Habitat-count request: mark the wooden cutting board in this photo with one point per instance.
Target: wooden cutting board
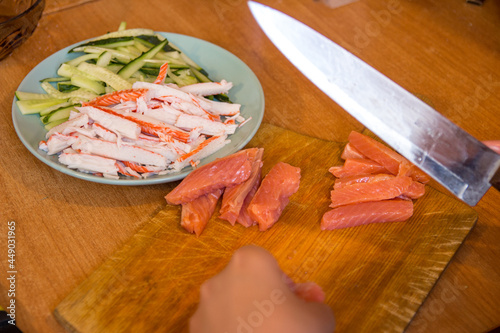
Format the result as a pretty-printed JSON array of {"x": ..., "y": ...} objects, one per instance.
[{"x": 375, "y": 277}]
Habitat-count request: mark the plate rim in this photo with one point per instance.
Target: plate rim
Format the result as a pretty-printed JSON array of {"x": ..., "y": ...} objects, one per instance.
[{"x": 156, "y": 179}]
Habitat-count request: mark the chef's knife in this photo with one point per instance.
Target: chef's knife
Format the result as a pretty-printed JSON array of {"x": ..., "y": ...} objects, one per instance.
[{"x": 458, "y": 161}]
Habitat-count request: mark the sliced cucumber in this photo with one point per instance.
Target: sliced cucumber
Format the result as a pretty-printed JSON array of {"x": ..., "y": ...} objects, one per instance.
[
  {"x": 22, "y": 95},
  {"x": 83, "y": 82},
  {"x": 104, "y": 59},
  {"x": 61, "y": 113},
  {"x": 66, "y": 86},
  {"x": 105, "y": 75},
  {"x": 119, "y": 55},
  {"x": 110, "y": 43},
  {"x": 200, "y": 76},
  {"x": 89, "y": 56},
  {"x": 126, "y": 33},
  {"x": 50, "y": 109},
  {"x": 138, "y": 62},
  {"x": 80, "y": 93},
  {"x": 68, "y": 71},
  {"x": 54, "y": 124},
  {"x": 31, "y": 106}
]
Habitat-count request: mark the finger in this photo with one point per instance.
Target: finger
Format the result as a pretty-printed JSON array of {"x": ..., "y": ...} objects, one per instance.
[{"x": 309, "y": 292}]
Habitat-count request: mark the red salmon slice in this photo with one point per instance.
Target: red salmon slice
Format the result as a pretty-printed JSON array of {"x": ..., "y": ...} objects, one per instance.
[
  {"x": 195, "y": 214},
  {"x": 273, "y": 194},
  {"x": 415, "y": 191},
  {"x": 244, "y": 218},
  {"x": 395, "y": 210},
  {"x": 408, "y": 169},
  {"x": 381, "y": 154},
  {"x": 357, "y": 166},
  {"x": 351, "y": 152},
  {"x": 233, "y": 198},
  {"x": 223, "y": 172},
  {"x": 374, "y": 191},
  {"x": 341, "y": 182}
]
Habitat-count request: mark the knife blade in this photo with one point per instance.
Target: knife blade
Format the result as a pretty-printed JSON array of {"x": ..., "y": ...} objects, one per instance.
[{"x": 448, "y": 154}]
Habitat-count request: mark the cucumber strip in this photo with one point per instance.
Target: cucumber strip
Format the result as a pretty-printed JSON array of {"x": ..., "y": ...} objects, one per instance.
[
  {"x": 66, "y": 86},
  {"x": 109, "y": 43},
  {"x": 22, "y": 95},
  {"x": 92, "y": 85},
  {"x": 188, "y": 60},
  {"x": 120, "y": 56},
  {"x": 68, "y": 71},
  {"x": 155, "y": 40},
  {"x": 75, "y": 62},
  {"x": 200, "y": 76},
  {"x": 103, "y": 74},
  {"x": 138, "y": 62},
  {"x": 104, "y": 59},
  {"x": 114, "y": 67},
  {"x": 80, "y": 93},
  {"x": 61, "y": 113},
  {"x": 131, "y": 50},
  {"x": 54, "y": 124},
  {"x": 50, "y": 109},
  {"x": 123, "y": 26},
  {"x": 185, "y": 77},
  {"x": 141, "y": 45},
  {"x": 125, "y": 33},
  {"x": 55, "y": 79},
  {"x": 157, "y": 63},
  {"x": 31, "y": 106}
]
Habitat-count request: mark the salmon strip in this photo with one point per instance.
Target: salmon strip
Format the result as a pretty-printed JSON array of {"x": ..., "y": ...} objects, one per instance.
[
  {"x": 162, "y": 74},
  {"x": 357, "y": 166},
  {"x": 196, "y": 214},
  {"x": 375, "y": 191},
  {"x": 415, "y": 191},
  {"x": 223, "y": 172},
  {"x": 410, "y": 170},
  {"x": 244, "y": 218},
  {"x": 341, "y": 182},
  {"x": 382, "y": 154},
  {"x": 351, "y": 152},
  {"x": 395, "y": 210},
  {"x": 233, "y": 198},
  {"x": 117, "y": 97},
  {"x": 273, "y": 194}
]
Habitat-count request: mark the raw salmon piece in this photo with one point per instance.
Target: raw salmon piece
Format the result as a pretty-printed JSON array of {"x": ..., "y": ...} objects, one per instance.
[
  {"x": 357, "y": 166},
  {"x": 351, "y": 152},
  {"x": 341, "y": 182},
  {"x": 223, "y": 172},
  {"x": 375, "y": 191},
  {"x": 381, "y": 154},
  {"x": 244, "y": 218},
  {"x": 415, "y": 191},
  {"x": 234, "y": 196},
  {"x": 196, "y": 213},
  {"x": 273, "y": 194},
  {"x": 395, "y": 210},
  {"x": 410, "y": 170}
]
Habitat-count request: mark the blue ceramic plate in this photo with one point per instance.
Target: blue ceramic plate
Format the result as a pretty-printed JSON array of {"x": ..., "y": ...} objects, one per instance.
[{"x": 219, "y": 63}]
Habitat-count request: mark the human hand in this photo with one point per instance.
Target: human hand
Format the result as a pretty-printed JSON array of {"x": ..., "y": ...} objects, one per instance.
[{"x": 253, "y": 295}]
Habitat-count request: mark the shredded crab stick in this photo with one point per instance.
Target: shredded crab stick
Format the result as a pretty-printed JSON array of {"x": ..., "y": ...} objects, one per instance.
[
  {"x": 196, "y": 214},
  {"x": 153, "y": 128},
  {"x": 162, "y": 73},
  {"x": 208, "y": 88},
  {"x": 89, "y": 163},
  {"x": 112, "y": 122},
  {"x": 119, "y": 152},
  {"x": 116, "y": 97}
]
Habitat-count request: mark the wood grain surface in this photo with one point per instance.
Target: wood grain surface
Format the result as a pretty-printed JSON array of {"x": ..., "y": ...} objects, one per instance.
[
  {"x": 375, "y": 277},
  {"x": 446, "y": 52}
]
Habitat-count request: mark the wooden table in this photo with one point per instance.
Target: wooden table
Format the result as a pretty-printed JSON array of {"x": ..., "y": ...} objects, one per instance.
[{"x": 445, "y": 52}]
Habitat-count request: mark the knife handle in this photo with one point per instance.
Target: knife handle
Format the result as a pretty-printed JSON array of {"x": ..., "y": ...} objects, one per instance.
[{"x": 495, "y": 181}]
